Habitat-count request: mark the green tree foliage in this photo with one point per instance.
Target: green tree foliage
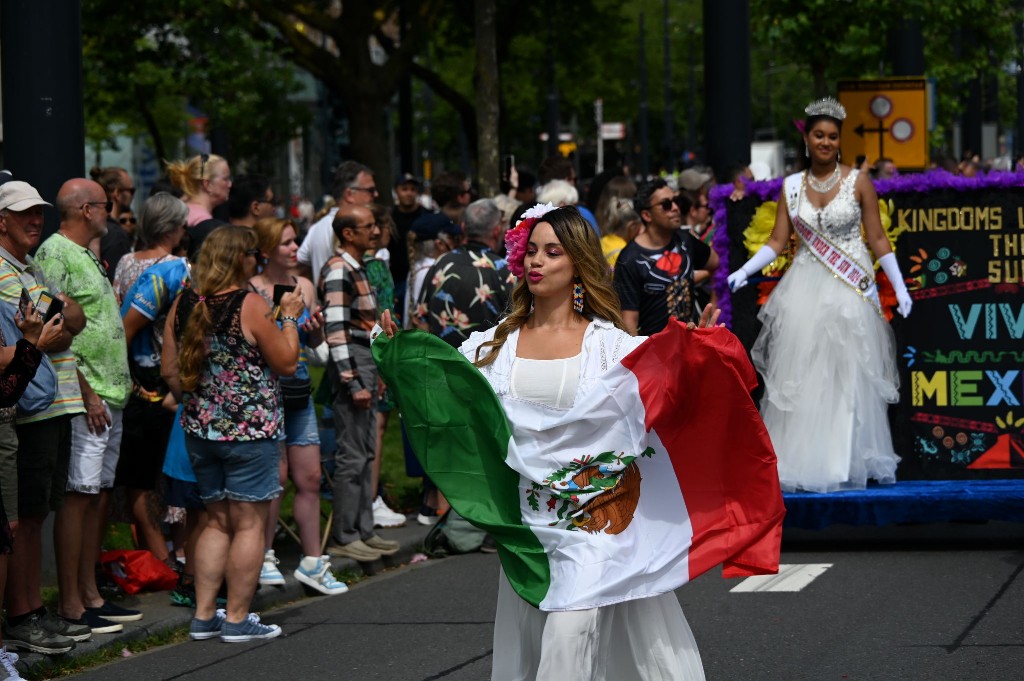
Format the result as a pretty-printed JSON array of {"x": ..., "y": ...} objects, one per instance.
[
  {"x": 145, "y": 63},
  {"x": 805, "y": 46}
]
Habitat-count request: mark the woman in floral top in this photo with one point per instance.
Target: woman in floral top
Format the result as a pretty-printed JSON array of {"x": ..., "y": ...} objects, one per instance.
[{"x": 222, "y": 349}]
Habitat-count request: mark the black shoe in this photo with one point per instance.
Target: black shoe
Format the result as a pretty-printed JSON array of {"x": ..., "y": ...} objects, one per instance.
[
  {"x": 488, "y": 545},
  {"x": 115, "y": 613}
]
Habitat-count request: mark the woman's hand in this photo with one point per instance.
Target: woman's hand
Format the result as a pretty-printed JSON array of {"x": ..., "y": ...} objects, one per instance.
[
  {"x": 292, "y": 304},
  {"x": 315, "y": 321},
  {"x": 708, "y": 318},
  {"x": 388, "y": 324}
]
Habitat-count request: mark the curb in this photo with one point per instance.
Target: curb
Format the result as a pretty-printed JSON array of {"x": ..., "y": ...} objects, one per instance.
[{"x": 162, "y": 618}]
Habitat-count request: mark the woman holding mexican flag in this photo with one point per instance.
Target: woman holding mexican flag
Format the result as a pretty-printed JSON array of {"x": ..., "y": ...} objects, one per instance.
[{"x": 609, "y": 469}]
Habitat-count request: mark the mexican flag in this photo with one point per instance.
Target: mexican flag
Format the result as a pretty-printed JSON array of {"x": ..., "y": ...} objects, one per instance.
[{"x": 660, "y": 471}]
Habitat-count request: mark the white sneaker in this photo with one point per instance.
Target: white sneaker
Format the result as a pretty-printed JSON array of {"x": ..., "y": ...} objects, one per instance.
[
  {"x": 427, "y": 520},
  {"x": 384, "y": 516},
  {"x": 321, "y": 578},
  {"x": 269, "y": 574},
  {"x": 7, "y": 667}
]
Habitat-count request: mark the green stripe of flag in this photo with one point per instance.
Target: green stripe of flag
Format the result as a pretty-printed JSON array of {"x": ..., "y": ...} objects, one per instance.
[{"x": 458, "y": 431}]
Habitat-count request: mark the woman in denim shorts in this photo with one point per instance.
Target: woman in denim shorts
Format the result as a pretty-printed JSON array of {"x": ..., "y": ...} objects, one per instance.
[
  {"x": 301, "y": 435},
  {"x": 221, "y": 357}
]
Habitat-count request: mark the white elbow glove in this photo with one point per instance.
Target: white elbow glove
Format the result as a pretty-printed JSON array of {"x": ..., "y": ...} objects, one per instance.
[
  {"x": 892, "y": 271},
  {"x": 761, "y": 259}
]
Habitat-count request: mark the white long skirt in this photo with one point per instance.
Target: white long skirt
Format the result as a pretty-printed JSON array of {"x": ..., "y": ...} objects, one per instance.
[
  {"x": 828, "y": 360},
  {"x": 640, "y": 640}
]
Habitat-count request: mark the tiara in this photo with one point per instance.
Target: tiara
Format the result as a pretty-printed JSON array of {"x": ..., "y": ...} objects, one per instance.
[{"x": 826, "y": 107}]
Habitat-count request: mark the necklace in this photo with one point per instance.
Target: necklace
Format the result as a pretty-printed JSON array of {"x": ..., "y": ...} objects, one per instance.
[{"x": 824, "y": 186}]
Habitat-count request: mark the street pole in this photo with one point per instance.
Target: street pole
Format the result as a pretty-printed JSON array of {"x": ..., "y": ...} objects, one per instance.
[
  {"x": 670, "y": 159},
  {"x": 552, "y": 96},
  {"x": 727, "y": 60},
  {"x": 44, "y": 123},
  {"x": 691, "y": 93},
  {"x": 645, "y": 165},
  {"x": 599, "y": 120}
]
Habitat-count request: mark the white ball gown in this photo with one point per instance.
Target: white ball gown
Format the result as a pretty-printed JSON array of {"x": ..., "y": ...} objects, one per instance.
[{"x": 828, "y": 360}]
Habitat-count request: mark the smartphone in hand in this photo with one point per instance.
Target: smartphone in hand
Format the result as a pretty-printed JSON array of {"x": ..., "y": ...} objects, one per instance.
[
  {"x": 279, "y": 291},
  {"x": 506, "y": 170},
  {"x": 48, "y": 306},
  {"x": 23, "y": 303}
]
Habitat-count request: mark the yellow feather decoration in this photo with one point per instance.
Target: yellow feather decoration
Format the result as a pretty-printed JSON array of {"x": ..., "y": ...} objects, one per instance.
[{"x": 759, "y": 231}]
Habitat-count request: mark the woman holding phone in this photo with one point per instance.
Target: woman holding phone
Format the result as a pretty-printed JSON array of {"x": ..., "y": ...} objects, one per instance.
[
  {"x": 278, "y": 253},
  {"x": 222, "y": 355}
]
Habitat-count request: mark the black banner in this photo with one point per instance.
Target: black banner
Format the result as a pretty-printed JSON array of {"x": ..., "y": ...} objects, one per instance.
[{"x": 961, "y": 350}]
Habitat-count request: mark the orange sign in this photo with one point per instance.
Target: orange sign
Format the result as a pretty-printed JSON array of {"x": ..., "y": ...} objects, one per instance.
[{"x": 886, "y": 119}]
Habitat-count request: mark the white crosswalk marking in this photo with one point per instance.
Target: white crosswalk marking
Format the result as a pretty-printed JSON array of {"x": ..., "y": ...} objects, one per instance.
[{"x": 790, "y": 578}]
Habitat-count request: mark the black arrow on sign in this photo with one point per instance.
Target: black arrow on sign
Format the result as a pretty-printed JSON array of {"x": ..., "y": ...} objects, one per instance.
[{"x": 881, "y": 130}]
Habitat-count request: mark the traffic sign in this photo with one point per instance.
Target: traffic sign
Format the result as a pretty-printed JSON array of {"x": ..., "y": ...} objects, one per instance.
[
  {"x": 886, "y": 119},
  {"x": 613, "y": 131}
]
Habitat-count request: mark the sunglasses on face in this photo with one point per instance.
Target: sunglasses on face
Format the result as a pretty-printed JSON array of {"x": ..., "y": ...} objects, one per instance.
[
  {"x": 254, "y": 252},
  {"x": 664, "y": 204},
  {"x": 127, "y": 220}
]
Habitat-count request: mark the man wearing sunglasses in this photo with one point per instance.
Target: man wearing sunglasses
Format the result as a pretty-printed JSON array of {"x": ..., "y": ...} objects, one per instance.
[
  {"x": 654, "y": 273},
  {"x": 353, "y": 186},
  {"x": 251, "y": 198},
  {"x": 101, "y": 355}
]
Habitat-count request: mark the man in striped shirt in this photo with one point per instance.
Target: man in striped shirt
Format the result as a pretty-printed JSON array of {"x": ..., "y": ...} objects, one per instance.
[
  {"x": 350, "y": 312},
  {"x": 36, "y": 485}
]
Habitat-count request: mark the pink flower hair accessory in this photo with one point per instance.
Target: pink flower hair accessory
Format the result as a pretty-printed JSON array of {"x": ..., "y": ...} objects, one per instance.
[{"x": 517, "y": 237}]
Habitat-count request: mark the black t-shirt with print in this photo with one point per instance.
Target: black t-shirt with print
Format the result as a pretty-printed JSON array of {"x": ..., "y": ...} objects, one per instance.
[{"x": 658, "y": 283}]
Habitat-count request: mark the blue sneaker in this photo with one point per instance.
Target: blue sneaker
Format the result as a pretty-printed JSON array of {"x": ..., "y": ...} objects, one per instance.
[
  {"x": 270, "y": 575},
  {"x": 249, "y": 629},
  {"x": 320, "y": 578},
  {"x": 201, "y": 630}
]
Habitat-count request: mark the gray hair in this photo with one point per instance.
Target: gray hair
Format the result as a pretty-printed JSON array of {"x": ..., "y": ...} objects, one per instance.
[
  {"x": 162, "y": 213},
  {"x": 558, "y": 192},
  {"x": 480, "y": 217}
]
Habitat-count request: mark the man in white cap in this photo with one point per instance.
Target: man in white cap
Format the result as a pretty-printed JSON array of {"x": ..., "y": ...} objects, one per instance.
[{"x": 44, "y": 439}]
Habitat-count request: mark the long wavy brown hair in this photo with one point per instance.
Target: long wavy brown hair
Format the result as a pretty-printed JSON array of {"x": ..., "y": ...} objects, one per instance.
[
  {"x": 220, "y": 267},
  {"x": 584, "y": 250}
]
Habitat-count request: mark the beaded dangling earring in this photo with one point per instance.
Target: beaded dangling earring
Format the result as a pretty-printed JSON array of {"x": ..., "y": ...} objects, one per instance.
[
  {"x": 807, "y": 150},
  {"x": 577, "y": 296},
  {"x": 839, "y": 156}
]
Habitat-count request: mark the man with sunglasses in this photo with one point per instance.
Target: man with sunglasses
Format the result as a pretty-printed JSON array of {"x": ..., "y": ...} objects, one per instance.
[
  {"x": 353, "y": 186},
  {"x": 251, "y": 198},
  {"x": 101, "y": 355},
  {"x": 654, "y": 273}
]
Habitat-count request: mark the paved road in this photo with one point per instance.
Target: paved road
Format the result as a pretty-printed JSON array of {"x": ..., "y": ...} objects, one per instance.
[{"x": 918, "y": 606}]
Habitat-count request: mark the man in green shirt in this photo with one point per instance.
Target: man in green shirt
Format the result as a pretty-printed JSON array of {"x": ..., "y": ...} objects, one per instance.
[{"x": 102, "y": 357}]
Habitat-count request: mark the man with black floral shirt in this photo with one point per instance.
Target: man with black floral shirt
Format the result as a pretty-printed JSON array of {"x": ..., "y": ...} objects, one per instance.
[{"x": 469, "y": 288}]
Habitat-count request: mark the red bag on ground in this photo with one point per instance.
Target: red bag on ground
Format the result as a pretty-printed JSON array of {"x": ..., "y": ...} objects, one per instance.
[{"x": 134, "y": 571}]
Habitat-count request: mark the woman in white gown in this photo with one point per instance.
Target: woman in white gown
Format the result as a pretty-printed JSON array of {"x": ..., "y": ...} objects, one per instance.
[{"x": 825, "y": 351}]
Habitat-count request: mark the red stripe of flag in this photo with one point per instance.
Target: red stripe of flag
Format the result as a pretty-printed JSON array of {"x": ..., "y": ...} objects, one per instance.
[{"x": 695, "y": 386}]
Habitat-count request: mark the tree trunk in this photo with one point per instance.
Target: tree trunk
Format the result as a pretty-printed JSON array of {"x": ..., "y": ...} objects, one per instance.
[
  {"x": 369, "y": 140},
  {"x": 486, "y": 97}
]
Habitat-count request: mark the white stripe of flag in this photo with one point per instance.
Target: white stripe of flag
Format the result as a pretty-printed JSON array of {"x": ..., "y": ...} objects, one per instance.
[{"x": 790, "y": 578}]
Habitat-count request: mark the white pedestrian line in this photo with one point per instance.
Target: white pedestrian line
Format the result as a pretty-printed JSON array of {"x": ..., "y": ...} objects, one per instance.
[{"x": 790, "y": 578}]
